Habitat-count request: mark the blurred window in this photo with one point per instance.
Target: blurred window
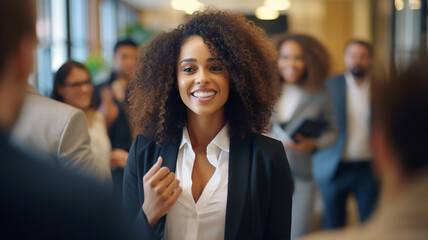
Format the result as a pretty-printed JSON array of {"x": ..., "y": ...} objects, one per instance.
[
  {"x": 62, "y": 29},
  {"x": 410, "y": 32},
  {"x": 79, "y": 30},
  {"x": 52, "y": 48},
  {"x": 116, "y": 18},
  {"x": 108, "y": 28}
]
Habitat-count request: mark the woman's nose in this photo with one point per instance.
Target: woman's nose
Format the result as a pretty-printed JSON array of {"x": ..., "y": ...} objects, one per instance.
[
  {"x": 202, "y": 77},
  {"x": 292, "y": 62},
  {"x": 86, "y": 87}
]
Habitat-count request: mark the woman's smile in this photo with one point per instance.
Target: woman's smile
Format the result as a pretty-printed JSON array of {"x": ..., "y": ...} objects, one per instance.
[{"x": 203, "y": 95}]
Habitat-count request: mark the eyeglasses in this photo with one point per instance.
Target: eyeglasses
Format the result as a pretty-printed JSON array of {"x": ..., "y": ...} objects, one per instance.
[{"x": 78, "y": 84}]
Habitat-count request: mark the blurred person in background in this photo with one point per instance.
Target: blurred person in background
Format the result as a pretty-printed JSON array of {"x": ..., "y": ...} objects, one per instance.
[
  {"x": 344, "y": 167},
  {"x": 303, "y": 65},
  {"x": 40, "y": 201},
  {"x": 399, "y": 159},
  {"x": 125, "y": 58},
  {"x": 111, "y": 101},
  {"x": 72, "y": 85}
]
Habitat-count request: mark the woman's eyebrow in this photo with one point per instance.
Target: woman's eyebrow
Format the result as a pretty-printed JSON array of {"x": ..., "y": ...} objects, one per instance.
[
  {"x": 212, "y": 59},
  {"x": 188, "y": 60},
  {"x": 194, "y": 60}
]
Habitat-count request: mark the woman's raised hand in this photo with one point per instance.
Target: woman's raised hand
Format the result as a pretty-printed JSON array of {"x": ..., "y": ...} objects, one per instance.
[{"x": 161, "y": 191}]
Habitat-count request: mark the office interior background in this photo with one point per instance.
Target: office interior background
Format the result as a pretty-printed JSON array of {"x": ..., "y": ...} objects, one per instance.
[{"x": 86, "y": 30}]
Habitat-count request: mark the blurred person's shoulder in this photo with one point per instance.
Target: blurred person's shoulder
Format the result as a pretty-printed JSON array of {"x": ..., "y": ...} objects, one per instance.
[
  {"x": 37, "y": 104},
  {"x": 42, "y": 122},
  {"x": 39, "y": 200},
  {"x": 335, "y": 78}
]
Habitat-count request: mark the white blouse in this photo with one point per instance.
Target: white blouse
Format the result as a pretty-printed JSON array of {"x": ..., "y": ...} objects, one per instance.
[
  {"x": 206, "y": 218},
  {"x": 357, "y": 146},
  {"x": 288, "y": 102},
  {"x": 100, "y": 144}
]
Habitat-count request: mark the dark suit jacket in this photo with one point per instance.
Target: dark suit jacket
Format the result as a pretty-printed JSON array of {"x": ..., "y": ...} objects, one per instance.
[
  {"x": 119, "y": 133},
  {"x": 326, "y": 162},
  {"x": 40, "y": 201},
  {"x": 259, "y": 187}
]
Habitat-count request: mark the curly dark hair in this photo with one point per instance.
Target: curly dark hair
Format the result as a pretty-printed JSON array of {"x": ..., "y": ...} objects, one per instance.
[
  {"x": 316, "y": 57},
  {"x": 156, "y": 109}
]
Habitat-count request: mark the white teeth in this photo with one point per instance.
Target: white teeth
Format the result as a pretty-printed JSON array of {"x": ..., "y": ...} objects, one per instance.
[
  {"x": 203, "y": 94},
  {"x": 289, "y": 70}
]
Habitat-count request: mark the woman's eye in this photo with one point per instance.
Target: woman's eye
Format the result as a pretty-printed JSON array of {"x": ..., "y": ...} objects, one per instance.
[
  {"x": 188, "y": 69},
  {"x": 216, "y": 68}
]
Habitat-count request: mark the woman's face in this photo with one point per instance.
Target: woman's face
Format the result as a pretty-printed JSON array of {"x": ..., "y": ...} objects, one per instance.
[
  {"x": 202, "y": 79},
  {"x": 77, "y": 90},
  {"x": 291, "y": 62}
]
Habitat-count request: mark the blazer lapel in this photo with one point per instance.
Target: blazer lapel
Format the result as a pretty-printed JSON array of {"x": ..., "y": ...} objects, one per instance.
[
  {"x": 341, "y": 103},
  {"x": 169, "y": 153},
  {"x": 298, "y": 115},
  {"x": 304, "y": 101},
  {"x": 239, "y": 172}
]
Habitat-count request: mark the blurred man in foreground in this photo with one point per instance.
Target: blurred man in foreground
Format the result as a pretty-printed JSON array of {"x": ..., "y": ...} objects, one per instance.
[
  {"x": 39, "y": 201},
  {"x": 399, "y": 143}
]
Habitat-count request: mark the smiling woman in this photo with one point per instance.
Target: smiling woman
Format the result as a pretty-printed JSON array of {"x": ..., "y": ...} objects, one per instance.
[
  {"x": 73, "y": 86},
  {"x": 303, "y": 66},
  {"x": 201, "y": 97}
]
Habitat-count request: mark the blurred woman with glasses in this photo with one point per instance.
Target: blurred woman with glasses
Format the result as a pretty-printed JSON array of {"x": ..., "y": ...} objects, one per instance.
[{"x": 73, "y": 86}]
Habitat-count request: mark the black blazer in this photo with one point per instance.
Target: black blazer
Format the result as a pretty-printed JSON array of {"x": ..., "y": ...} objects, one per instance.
[{"x": 259, "y": 187}]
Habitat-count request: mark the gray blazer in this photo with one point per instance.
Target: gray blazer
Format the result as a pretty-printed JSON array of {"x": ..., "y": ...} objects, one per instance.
[
  {"x": 46, "y": 126},
  {"x": 312, "y": 106}
]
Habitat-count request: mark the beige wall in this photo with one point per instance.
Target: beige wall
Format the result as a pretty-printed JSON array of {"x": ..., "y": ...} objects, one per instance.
[
  {"x": 166, "y": 19},
  {"x": 333, "y": 22},
  {"x": 338, "y": 29}
]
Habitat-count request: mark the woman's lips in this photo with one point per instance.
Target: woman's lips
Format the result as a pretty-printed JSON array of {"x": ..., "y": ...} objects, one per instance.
[{"x": 203, "y": 95}]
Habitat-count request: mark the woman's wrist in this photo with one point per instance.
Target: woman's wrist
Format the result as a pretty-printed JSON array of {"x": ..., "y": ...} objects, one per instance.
[{"x": 152, "y": 220}]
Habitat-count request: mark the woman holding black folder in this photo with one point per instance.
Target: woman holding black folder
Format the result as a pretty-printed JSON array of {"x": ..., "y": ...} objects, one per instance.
[{"x": 304, "y": 119}]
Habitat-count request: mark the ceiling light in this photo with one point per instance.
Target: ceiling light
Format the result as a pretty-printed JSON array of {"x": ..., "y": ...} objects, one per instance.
[
  {"x": 266, "y": 13},
  {"x": 189, "y": 6},
  {"x": 415, "y": 4},
  {"x": 399, "y": 5},
  {"x": 279, "y": 5}
]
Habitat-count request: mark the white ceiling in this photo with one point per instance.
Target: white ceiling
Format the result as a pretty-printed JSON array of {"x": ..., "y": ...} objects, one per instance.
[{"x": 245, "y": 6}]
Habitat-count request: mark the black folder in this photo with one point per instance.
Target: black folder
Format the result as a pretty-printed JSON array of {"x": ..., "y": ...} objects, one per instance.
[{"x": 310, "y": 128}]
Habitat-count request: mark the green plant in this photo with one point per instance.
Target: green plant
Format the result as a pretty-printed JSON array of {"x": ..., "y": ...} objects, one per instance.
[{"x": 95, "y": 62}]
